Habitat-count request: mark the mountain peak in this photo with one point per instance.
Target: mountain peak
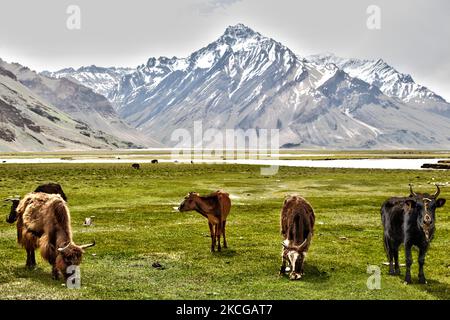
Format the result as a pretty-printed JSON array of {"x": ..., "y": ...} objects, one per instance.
[{"x": 238, "y": 32}]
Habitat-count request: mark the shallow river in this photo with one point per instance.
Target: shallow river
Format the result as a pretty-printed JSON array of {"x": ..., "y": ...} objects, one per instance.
[{"x": 362, "y": 163}]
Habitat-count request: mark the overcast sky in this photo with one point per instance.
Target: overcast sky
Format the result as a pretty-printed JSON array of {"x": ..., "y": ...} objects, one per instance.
[{"x": 414, "y": 35}]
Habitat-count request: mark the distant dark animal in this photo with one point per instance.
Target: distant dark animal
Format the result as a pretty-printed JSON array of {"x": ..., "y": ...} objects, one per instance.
[
  {"x": 215, "y": 207},
  {"x": 154, "y": 161},
  {"x": 136, "y": 166},
  {"x": 411, "y": 221},
  {"x": 50, "y": 188},
  {"x": 44, "y": 222},
  {"x": 297, "y": 227}
]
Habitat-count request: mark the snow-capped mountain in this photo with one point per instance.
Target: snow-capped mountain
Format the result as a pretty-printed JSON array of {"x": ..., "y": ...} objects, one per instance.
[
  {"x": 246, "y": 80},
  {"x": 29, "y": 123},
  {"x": 380, "y": 74},
  {"x": 80, "y": 103},
  {"x": 100, "y": 80}
]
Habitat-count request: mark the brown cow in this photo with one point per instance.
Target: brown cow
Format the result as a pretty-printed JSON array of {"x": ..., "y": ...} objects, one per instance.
[
  {"x": 215, "y": 207},
  {"x": 297, "y": 225},
  {"x": 44, "y": 222}
]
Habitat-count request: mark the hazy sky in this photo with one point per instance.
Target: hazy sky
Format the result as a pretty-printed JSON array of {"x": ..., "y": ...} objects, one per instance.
[{"x": 414, "y": 35}]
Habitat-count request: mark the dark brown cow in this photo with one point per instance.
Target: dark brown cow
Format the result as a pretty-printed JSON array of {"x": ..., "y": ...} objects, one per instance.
[
  {"x": 297, "y": 226},
  {"x": 215, "y": 207},
  {"x": 44, "y": 222},
  {"x": 409, "y": 221},
  {"x": 136, "y": 166}
]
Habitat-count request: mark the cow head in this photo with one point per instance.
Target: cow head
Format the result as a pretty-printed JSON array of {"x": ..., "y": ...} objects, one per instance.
[
  {"x": 426, "y": 205},
  {"x": 296, "y": 254},
  {"x": 12, "y": 213},
  {"x": 189, "y": 203},
  {"x": 70, "y": 255}
]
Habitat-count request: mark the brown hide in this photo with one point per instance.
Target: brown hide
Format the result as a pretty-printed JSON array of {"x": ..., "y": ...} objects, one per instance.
[
  {"x": 297, "y": 219},
  {"x": 44, "y": 222},
  {"x": 215, "y": 207}
]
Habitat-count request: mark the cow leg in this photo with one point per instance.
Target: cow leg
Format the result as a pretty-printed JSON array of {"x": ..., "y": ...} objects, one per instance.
[
  {"x": 31, "y": 260},
  {"x": 390, "y": 254},
  {"x": 213, "y": 238},
  {"x": 225, "y": 245},
  {"x": 218, "y": 229},
  {"x": 283, "y": 264},
  {"x": 422, "y": 252},
  {"x": 409, "y": 261},
  {"x": 397, "y": 266}
]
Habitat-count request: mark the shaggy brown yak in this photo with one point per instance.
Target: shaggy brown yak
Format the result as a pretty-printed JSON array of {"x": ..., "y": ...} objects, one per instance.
[
  {"x": 297, "y": 225},
  {"x": 44, "y": 222},
  {"x": 215, "y": 207}
]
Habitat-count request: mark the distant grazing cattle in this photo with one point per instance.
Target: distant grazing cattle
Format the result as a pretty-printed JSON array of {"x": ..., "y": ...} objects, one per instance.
[
  {"x": 136, "y": 166},
  {"x": 297, "y": 227},
  {"x": 154, "y": 161},
  {"x": 411, "y": 221},
  {"x": 44, "y": 222},
  {"x": 215, "y": 207},
  {"x": 51, "y": 188}
]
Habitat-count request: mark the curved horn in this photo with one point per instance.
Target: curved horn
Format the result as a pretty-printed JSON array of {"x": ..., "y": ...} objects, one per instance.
[
  {"x": 17, "y": 198},
  {"x": 64, "y": 249},
  {"x": 438, "y": 191},
  {"x": 305, "y": 243},
  {"x": 411, "y": 189},
  {"x": 84, "y": 246}
]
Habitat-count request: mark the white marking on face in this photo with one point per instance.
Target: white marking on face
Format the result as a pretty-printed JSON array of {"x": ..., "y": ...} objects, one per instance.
[{"x": 293, "y": 256}]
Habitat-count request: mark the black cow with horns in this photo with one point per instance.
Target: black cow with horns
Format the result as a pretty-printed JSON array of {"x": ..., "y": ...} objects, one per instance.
[{"x": 411, "y": 221}]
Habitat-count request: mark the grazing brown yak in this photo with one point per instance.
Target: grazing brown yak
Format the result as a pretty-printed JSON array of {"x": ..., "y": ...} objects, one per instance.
[
  {"x": 215, "y": 207},
  {"x": 44, "y": 222},
  {"x": 297, "y": 226}
]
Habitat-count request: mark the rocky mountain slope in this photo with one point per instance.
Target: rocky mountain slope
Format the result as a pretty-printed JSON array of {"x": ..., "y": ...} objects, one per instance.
[
  {"x": 80, "y": 103},
  {"x": 28, "y": 123}
]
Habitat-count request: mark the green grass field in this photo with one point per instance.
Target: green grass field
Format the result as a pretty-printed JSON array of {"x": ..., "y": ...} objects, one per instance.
[{"x": 135, "y": 226}]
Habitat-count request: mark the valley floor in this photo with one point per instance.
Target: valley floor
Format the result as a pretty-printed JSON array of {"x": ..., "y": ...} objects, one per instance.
[{"x": 135, "y": 226}]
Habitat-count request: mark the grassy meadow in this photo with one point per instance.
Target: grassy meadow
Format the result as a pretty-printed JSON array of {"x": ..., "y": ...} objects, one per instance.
[{"x": 135, "y": 226}]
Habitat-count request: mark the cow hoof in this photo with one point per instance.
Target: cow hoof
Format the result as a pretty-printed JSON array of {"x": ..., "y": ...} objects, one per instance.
[
  {"x": 295, "y": 276},
  {"x": 422, "y": 280},
  {"x": 394, "y": 273}
]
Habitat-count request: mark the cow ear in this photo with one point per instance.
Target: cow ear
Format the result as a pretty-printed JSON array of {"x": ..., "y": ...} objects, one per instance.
[{"x": 440, "y": 202}]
